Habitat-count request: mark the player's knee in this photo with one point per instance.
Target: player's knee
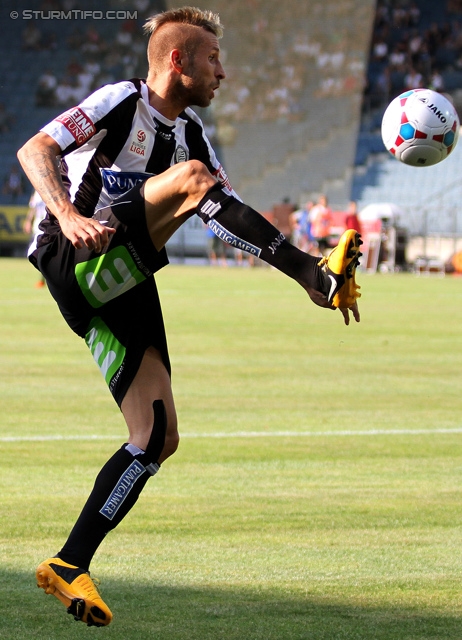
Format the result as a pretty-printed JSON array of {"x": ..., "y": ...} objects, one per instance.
[
  {"x": 166, "y": 417},
  {"x": 197, "y": 178},
  {"x": 172, "y": 441}
]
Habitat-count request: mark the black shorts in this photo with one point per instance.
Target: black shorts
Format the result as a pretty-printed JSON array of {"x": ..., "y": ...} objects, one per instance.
[{"x": 110, "y": 299}]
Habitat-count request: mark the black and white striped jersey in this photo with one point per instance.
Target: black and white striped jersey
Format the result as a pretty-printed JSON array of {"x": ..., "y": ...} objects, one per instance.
[{"x": 114, "y": 139}]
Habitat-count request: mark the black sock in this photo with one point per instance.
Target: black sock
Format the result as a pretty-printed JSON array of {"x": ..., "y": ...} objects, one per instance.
[
  {"x": 241, "y": 226},
  {"x": 117, "y": 488}
]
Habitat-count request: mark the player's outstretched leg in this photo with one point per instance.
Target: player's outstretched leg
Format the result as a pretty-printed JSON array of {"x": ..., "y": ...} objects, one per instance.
[
  {"x": 76, "y": 590},
  {"x": 340, "y": 267}
]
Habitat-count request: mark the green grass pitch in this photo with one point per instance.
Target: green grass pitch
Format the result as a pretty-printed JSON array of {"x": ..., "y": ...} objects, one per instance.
[{"x": 316, "y": 493}]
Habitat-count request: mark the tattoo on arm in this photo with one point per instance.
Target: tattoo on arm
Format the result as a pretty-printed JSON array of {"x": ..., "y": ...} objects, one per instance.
[{"x": 42, "y": 170}]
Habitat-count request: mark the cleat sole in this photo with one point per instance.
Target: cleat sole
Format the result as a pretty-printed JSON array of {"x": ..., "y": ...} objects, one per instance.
[{"x": 77, "y": 608}]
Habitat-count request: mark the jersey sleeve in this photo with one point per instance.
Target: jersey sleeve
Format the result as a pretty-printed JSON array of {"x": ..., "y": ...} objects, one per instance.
[{"x": 77, "y": 125}]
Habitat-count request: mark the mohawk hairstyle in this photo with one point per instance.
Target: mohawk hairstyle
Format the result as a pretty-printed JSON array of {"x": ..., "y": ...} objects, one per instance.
[{"x": 186, "y": 15}]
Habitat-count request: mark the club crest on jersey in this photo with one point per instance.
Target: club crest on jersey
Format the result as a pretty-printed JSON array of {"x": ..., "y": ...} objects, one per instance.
[
  {"x": 139, "y": 146},
  {"x": 116, "y": 183},
  {"x": 78, "y": 124}
]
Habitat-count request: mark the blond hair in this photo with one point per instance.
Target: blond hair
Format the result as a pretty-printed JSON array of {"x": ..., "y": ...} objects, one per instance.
[
  {"x": 186, "y": 15},
  {"x": 191, "y": 20}
]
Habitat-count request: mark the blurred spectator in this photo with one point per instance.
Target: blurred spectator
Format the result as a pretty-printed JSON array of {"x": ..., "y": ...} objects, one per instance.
[
  {"x": 321, "y": 220},
  {"x": 45, "y": 93},
  {"x": 436, "y": 81},
  {"x": 14, "y": 184},
  {"x": 124, "y": 37},
  {"x": 300, "y": 226},
  {"x": 413, "y": 79},
  {"x": 92, "y": 66},
  {"x": 398, "y": 56},
  {"x": 75, "y": 39},
  {"x": 85, "y": 80},
  {"x": 142, "y": 6},
  {"x": 35, "y": 214},
  {"x": 73, "y": 68},
  {"x": 6, "y": 119},
  {"x": 216, "y": 249},
  {"x": 65, "y": 93},
  {"x": 380, "y": 49},
  {"x": 414, "y": 14},
  {"x": 92, "y": 43},
  {"x": 417, "y": 56},
  {"x": 68, "y": 5},
  {"x": 50, "y": 42},
  {"x": 351, "y": 219},
  {"x": 382, "y": 87},
  {"x": 31, "y": 38}
]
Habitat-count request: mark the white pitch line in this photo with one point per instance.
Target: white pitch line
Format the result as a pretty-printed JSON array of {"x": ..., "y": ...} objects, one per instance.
[{"x": 245, "y": 434}]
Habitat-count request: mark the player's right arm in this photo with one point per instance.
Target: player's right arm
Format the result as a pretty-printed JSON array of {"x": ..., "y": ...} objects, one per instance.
[{"x": 39, "y": 159}]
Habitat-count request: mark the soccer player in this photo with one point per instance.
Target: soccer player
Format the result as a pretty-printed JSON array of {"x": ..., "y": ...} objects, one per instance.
[
  {"x": 119, "y": 174},
  {"x": 35, "y": 214}
]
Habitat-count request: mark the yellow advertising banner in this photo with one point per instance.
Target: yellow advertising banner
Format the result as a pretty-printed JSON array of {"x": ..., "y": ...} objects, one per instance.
[{"x": 11, "y": 223}]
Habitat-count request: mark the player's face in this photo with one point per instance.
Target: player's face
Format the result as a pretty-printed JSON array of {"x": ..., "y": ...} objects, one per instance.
[{"x": 204, "y": 72}]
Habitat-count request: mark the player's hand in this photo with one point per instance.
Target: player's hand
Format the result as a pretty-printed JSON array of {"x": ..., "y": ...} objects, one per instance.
[
  {"x": 321, "y": 300},
  {"x": 354, "y": 310},
  {"x": 86, "y": 232},
  {"x": 318, "y": 298}
]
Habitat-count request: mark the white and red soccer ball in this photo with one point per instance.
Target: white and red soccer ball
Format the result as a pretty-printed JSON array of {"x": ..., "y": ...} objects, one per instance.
[{"x": 420, "y": 127}]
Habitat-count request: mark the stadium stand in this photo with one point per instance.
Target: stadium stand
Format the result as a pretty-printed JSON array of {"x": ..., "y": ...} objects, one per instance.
[
  {"x": 286, "y": 118},
  {"x": 426, "y": 38},
  {"x": 293, "y": 118},
  {"x": 292, "y": 97},
  {"x": 65, "y": 49}
]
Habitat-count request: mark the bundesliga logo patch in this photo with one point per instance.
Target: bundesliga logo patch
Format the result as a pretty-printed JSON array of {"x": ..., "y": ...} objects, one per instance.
[
  {"x": 140, "y": 145},
  {"x": 78, "y": 124}
]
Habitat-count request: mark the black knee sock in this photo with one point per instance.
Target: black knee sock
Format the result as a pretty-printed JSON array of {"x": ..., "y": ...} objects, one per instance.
[
  {"x": 241, "y": 226},
  {"x": 116, "y": 490}
]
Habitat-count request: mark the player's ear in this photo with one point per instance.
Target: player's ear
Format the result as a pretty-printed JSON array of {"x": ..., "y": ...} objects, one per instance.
[{"x": 176, "y": 60}]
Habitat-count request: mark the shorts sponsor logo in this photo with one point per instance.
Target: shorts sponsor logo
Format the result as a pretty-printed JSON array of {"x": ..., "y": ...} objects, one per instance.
[
  {"x": 233, "y": 240},
  {"x": 116, "y": 183},
  {"x": 108, "y": 276},
  {"x": 78, "y": 124},
  {"x": 107, "y": 351},
  {"x": 122, "y": 489}
]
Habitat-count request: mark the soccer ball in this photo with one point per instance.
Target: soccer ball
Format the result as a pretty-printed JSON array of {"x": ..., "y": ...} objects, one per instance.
[{"x": 420, "y": 127}]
